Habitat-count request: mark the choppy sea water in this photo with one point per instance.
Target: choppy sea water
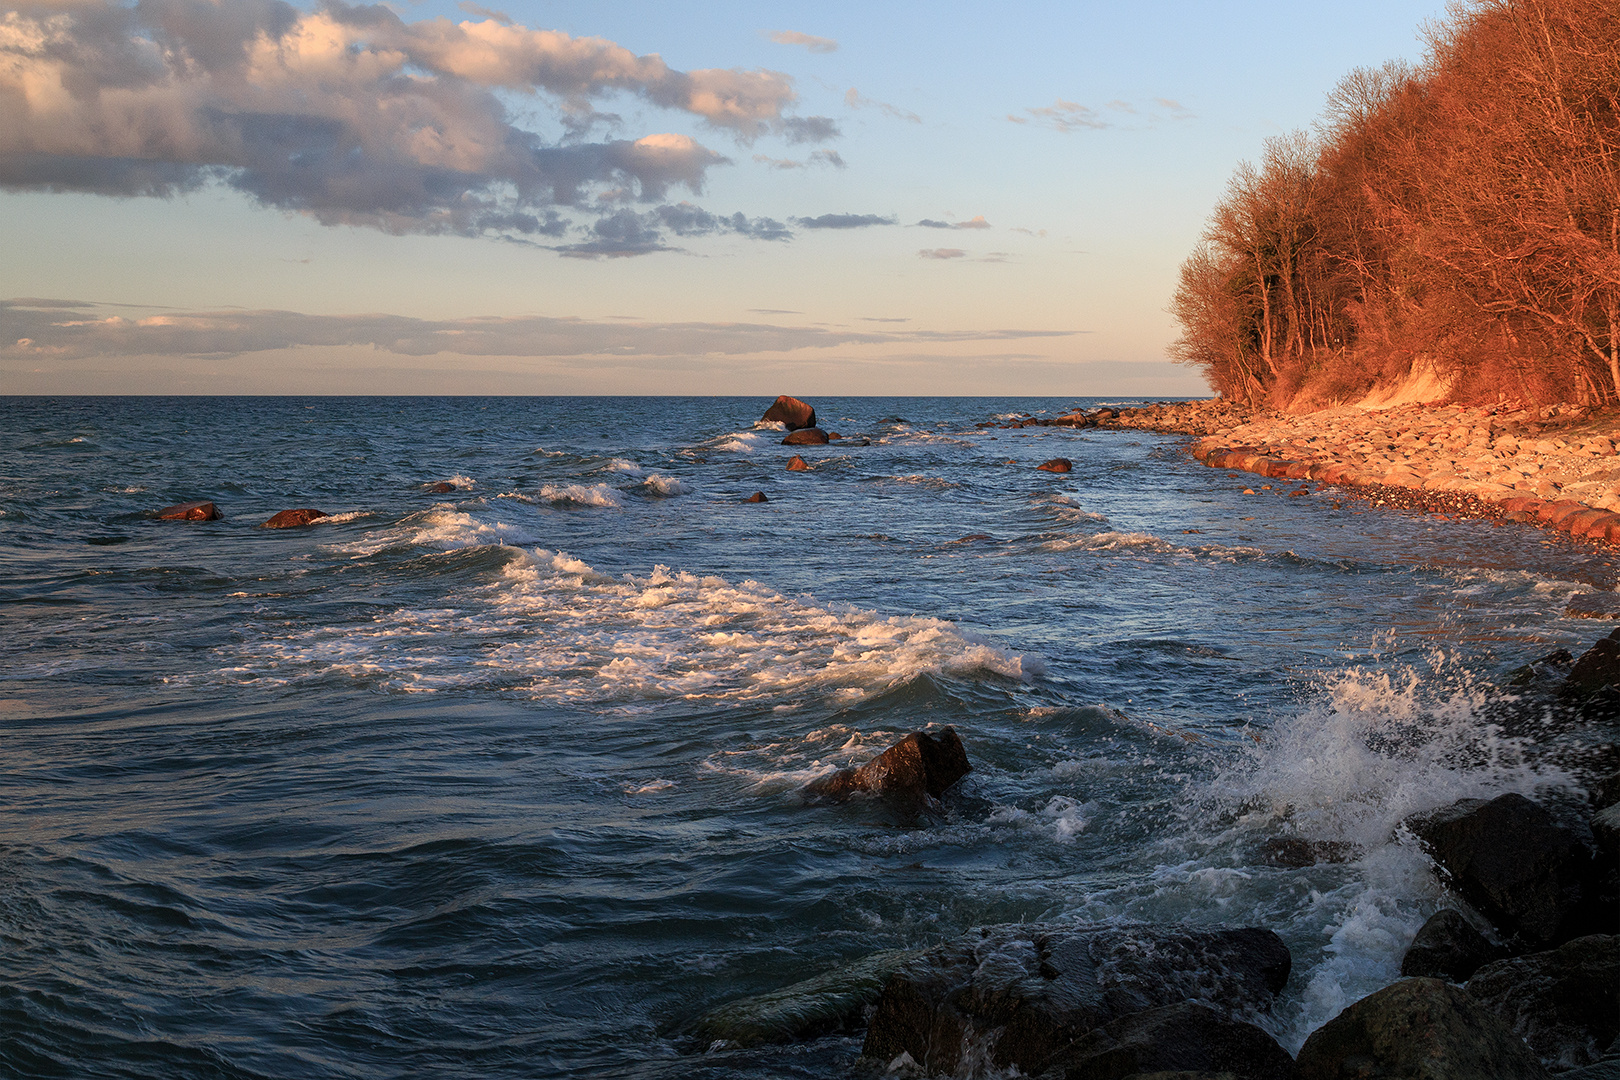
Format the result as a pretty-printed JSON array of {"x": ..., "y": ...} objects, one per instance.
[{"x": 506, "y": 782}]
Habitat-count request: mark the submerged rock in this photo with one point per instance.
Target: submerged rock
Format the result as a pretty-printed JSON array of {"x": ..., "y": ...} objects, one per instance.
[
  {"x": 834, "y": 1001},
  {"x": 1448, "y": 947},
  {"x": 1057, "y": 464},
  {"x": 909, "y": 775},
  {"x": 191, "y": 511},
  {"x": 1185, "y": 1038},
  {"x": 791, "y": 412},
  {"x": 1564, "y": 1002},
  {"x": 1517, "y": 866},
  {"x": 443, "y": 487},
  {"x": 757, "y": 497},
  {"x": 810, "y": 436},
  {"x": 292, "y": 519},
  {"x": 1018, "y": 994},
  {"x": 1422, "y": 1029},
  {"x": 1296, "y": 851}
]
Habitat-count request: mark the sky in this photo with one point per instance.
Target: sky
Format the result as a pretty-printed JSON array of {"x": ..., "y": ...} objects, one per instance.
[{"x": 262, "y": 197}]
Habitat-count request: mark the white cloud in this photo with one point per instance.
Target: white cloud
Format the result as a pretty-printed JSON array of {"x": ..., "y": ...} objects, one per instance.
[
  {"x": 809, "y": 41},
  {"x": 854, "y": 100}
]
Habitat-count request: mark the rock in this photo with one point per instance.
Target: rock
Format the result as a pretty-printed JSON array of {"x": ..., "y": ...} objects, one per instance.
[
  {"x": 1597, "y": 667},
  {"x": 1555, "y": 665},
  {"x": 759, "y": 496},
  {"x": 1606, "y": 831},
  {"x": 1605, "y": 791},
  {"x": 1511, "y": 861},
  {"x": 443, "y": 487},
  {"x": 191, "y": 511},
  {"x": 1296, "y": 851},
  {"x": 834, "y": 1001},
  {"x": 1017, "y": 994},
  {"x": 1448, "y": 947},
  {"x": 834, "y": 435},
  {"x": 810, "y": 436},
  {"x": 792, "y": 412},
  {"x": 1422, "y": 1029},
  {"x": 910, "y": 775},
  {"x": 1185, "y": 1036},
  {"x": 1607, "y": 1069},
  {"x": 291, "y": 519},
  {"x": 1564, "y": 1002},
  {"x": 797, "y": 464},
  {"x": 1057, "y": 464}
]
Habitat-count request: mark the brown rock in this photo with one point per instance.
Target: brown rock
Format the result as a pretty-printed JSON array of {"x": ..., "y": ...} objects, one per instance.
[
  {"x": 759, "y": 496},
  {"x": 443, "y": 487},
  {"x": 1057, "y": 465},
  {"x": 292, "y": 519},
  {"x": 911, "y": 774},
  {"x": 834, "y": 435},
  {"x": 1552, "y": 513},
  {"x": 1598, "y": 666},
  {"x": 1297, "y": 470},
  {"x": 810, "y": 436},
  {"x": 191, "y": 511},
  {"x": 797, "y": 464},
  {"x": 791, "y": 412},
  {"x": 1578, "y": 523},
  {"x": 1417, "y": 1029}
]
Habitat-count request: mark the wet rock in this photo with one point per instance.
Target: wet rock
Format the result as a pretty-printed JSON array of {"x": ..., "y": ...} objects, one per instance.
[
  {"x": 910, "y": 775},
  {"x": 1607, "y": 1069},
  {"x": 834, "y": 1001},
  {"x": 1555, "y": 665},
  {"x": 1605, "y": 791},
  {"x": 792, "y": 412},
  {"x": 834, "y": 435},
  {"x": 1422, "y": 1029},
  {"x": 1295, "y": 851},
  {"x": 1018, "y": 994},
  {"x": 1184, "y": 1037},
  {"x": 1448, "y": 947},
  {"x": 191, "y": 511},
  {"x": 1517, "y": 866},
  {"x": 1597, "y": 667},
  {"x": 797, "y": 464},
  {"x": 758, "y": 497},
  {"x": 1564, "y": 1002},
  {"x": 810, "y": 436},
  {"x": 1057, "y": 465},
  {"x": 443, "y": 487},
  {"x": 292, "y": 519}
]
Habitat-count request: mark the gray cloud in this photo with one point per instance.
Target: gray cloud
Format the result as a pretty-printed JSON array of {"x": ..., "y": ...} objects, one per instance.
[
  {"x": 1067, "y": 116},
  {"x": 626, "y": 232},
  {"x": 35, "y": 331},
  {"x": 972, "y": 223},
  {"x": 817, "y": 157},
  {"x": 350, "y": 114},
  {"x": 844, "y": 221},
  {"x": 809, "y": 41}
]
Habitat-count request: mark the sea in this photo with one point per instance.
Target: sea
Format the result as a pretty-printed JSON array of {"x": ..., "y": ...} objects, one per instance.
[{"x": 509, "y": 780}]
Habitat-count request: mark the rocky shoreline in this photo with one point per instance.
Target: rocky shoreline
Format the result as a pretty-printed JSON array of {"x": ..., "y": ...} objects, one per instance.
[{"x": 1558, "y": 466}]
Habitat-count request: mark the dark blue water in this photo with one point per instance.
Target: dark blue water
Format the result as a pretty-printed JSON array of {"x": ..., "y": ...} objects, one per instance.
[{"x": 506, "y": 782}]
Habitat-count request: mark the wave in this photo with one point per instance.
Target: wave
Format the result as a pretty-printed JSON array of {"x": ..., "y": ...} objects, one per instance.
[
  {"x": 665, "y": 485},
  {"x": 581, "y": 495},
  {"x": 443, "y": 528}
]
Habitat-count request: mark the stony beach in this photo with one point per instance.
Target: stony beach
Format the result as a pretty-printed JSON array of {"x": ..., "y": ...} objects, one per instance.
[{"x": 1556, "y": 466}]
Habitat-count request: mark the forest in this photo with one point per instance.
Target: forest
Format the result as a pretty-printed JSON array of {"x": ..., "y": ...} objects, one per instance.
[{"x": 1456, "y": 220}]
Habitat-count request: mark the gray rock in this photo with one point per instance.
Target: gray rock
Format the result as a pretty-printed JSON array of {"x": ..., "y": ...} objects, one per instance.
[
  {"x": 1417, "y": 1029},
  {"x": 834, "y": 1001},
  {"x": 1608, "y": 1069},
  {"x": 1517, "y": 866},
  {"x": 1183, "y": 1036},
  {"x": 1015, "y": 995},
  {"x": 1564, "y": 1002},
  {"x": 1448, "y": 947}
]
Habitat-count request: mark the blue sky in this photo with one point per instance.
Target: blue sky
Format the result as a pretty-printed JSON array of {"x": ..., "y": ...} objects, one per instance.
[{"x": 932, "y": 198}]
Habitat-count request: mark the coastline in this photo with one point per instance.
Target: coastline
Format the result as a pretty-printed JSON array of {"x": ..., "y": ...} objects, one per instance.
[{"x": 1557, "y": 467}]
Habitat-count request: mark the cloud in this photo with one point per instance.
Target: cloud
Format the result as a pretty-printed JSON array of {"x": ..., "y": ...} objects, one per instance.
[
  {"x": 974, "y": 223},
  {"x": 627, "y": 232},
  {"x": 67, "y": 330},
  {"x": 1176, "y": 110},
  {"x": 1064, "y": 116},
  {"x": 351, "y": 114},
  {"x": 485, "y": 13},
  {"x": 844, "y": 221},
  {"x": 854, "y": 100},
  {"x": 809, "y": 41},
  {"x": 941, "y": 253},
  {"x": 817, "y": 157}
]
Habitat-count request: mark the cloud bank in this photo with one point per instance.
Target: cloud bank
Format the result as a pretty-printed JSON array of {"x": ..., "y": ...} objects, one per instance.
[{"x": 353, "y": 115}]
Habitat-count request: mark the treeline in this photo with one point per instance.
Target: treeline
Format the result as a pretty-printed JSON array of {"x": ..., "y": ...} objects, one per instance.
[{"x": 1460, "y": 217}]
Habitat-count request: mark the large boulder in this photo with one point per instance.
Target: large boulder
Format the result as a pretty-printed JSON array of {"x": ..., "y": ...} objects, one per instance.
[
  {"x": 1185, "y": 1038},
  {"x": 909, "y": 775},
  {"x": 1417, "y": 1029},
  {"x": 1513, "y": 862},
  {"x": 1448, "y": 947},
  {"x": 791, "y": 412},
  {"x": 1564, "y": 1002},
  {"x": 834, "y": 1001},
  {"x": 1016, "y": 995},
  {"x": 191, "y": 511},
  {"x": 1597, "y": 667},
  {"x": 292, "y": 519},
  {"x": 810, "y": 436}
]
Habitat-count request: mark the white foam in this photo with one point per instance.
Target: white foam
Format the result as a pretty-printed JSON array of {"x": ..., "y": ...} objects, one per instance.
[
  {"x": 1113, "y": 541},
  {"x": 1062, "y": 818},
  {"x": 581, "y": 495},
  {"x": 442, "y": 528},
  {"x": 746, "y": 442},
  {"x": 665, "y": 485},
  {"x": 624, "y": 465}
]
